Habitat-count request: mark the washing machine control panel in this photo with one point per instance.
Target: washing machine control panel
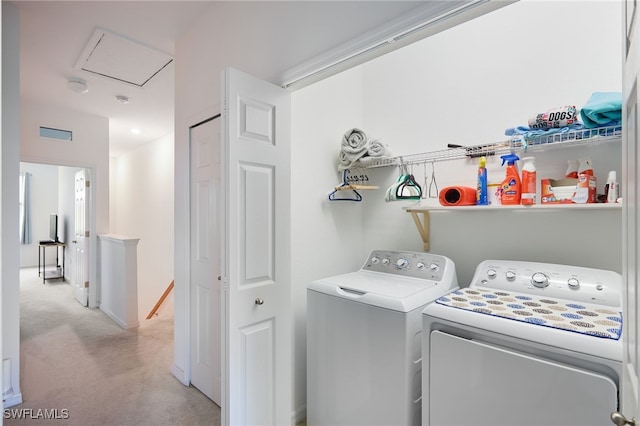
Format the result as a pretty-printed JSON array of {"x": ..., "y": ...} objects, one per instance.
[
  {"x": 582, "y": 284},
  {"x": 409, "y": 264}
]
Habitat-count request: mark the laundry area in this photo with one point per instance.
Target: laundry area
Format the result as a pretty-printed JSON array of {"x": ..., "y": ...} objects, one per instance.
[{"x": 387, "y": 170}]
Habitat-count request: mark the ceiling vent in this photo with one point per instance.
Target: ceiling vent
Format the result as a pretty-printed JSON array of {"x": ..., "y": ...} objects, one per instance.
[{"x": 118, "y": 58}]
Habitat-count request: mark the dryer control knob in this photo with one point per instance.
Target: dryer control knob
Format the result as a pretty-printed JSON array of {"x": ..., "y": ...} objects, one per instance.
[
  {"x": 402, "y": 263},
  {"x": 540, "y": 280},
  {"x": 573, "y": 283},
  {"x": 510, "y": 275}
]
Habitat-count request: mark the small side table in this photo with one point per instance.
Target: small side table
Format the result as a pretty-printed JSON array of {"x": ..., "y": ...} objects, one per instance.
[{"x": 58, "y": 273}]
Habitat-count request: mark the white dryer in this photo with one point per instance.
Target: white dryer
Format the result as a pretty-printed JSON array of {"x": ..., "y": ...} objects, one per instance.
[
  {"x": 525, "y": 344},
  {"x": 364, "y": 333}
]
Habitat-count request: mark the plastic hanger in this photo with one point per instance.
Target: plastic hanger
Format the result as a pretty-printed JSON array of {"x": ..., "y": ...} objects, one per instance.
[
  {"x": 345, "y": 186},
  {"x": 405, "y": 188},
  {"x": 409, "y": 189}
]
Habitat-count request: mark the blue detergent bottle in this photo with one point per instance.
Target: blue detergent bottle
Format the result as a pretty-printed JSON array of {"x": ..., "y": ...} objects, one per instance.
[{"x": 482, "y": 198}]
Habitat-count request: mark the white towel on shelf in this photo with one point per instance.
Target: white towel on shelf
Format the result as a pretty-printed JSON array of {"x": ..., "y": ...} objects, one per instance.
[
  {"x": 345, "y": 162},
  {"x": 378, "y": 149},
  {"x": 355, "y": 143},
  {"x": 358, "y": 149}
]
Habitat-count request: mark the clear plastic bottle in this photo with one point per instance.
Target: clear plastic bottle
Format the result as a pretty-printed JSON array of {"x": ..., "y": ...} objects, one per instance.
[
  {"x": 528, "y": 181},
  {"x": 612, "y": 187}
]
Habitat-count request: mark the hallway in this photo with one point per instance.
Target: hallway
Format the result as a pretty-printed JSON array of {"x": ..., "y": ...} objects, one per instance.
[{"x": 81, "y": 367}]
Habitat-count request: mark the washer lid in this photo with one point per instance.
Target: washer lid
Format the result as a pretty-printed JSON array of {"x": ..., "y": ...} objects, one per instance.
[{"x": 384, "y": 290}]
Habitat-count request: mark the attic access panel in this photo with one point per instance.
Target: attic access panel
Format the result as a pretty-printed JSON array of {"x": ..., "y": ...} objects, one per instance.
[{"x": 121, "y": 59}]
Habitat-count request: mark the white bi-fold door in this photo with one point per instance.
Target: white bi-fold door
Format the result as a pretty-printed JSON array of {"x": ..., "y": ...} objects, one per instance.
[
  {"x": 256, "y": 164},
  {"x": 205, "y": 288}
]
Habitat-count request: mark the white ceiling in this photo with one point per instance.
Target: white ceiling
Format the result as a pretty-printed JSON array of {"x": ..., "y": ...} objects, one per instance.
[{"x": 55, "y": 33}]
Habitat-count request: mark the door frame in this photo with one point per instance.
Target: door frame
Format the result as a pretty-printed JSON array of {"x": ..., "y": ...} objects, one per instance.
[
  {"x": 93, "y": 290},
  {"x": 181, "y": 368}
]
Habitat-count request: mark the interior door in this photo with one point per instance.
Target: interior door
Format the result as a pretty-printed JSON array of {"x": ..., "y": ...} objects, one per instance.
[
  {"x": 630, "y": 400},
  {"x": 257, "y": 319},
  {"x": 80, "y": 243},
  {"x": 205, "y": 285}
]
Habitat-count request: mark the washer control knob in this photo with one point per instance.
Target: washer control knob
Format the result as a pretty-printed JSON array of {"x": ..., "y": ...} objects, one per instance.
[
  {"x": 402, "y": 263},
  {"x": 599, "y": 287},
  {"x": 375, "y": 260},
  {"x": 510, "y": 275},
  {"x": 491, "y": 273},
  {"x": 420, "y": 266},
  {"x": 434, "y": 267},
  {"x": 385, "y": 261},
  {"x": 573, "y": 283},
  {"x": 540, "y": 280}
]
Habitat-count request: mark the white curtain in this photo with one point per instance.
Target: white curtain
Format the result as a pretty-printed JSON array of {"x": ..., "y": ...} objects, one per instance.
[{"x": 25, "y": 208}]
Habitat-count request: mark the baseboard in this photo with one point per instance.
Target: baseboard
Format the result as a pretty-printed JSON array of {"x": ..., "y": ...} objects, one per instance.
[
  {"x": 299, "y": 415},
  {"x": 126, "y": 326},
  {"x": 179, "y": 374},
  {"x": 12, "y": 400}
]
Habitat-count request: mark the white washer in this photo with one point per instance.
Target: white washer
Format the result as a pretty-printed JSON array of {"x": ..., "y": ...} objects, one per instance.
[
  {"x": 525, "y": 344},
  {"x": 364, "y": 332}
]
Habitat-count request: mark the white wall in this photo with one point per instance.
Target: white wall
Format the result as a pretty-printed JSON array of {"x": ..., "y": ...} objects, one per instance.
[
  {"x": 9, "y": 218},
  {"x": 141, "y": 203},
  {"x": 44, "y": 200},
  {"x": 328, "y": 236}
]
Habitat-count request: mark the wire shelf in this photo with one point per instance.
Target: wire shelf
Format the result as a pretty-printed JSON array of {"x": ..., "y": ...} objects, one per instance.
[{"x": 515, "y": 144}]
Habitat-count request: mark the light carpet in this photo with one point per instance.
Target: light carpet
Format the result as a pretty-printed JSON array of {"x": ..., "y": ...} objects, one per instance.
[{"x": 77, "y": 363}]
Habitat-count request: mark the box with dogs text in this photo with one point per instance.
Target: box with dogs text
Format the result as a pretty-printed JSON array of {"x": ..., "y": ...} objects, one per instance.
[{"x": 580, "y": 190}]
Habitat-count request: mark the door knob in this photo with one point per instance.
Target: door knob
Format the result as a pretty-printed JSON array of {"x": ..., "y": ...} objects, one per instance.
[
  {"x": 259, "y": 301},
  {"x": 620, "y": 420}
]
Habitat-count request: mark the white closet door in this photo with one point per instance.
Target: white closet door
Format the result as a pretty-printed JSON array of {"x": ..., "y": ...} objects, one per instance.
[
  {"x": 205, "y": 288},
  {"x": 630, "y": 214},
  {"x": 256, "y": 274}
]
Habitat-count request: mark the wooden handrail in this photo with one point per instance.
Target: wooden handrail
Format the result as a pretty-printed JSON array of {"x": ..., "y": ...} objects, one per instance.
[{"x": 164, "y": 296}]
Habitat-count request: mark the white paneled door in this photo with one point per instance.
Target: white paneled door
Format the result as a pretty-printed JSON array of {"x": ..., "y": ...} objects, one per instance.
[
  {"x": 205, "y": 288},
  {"x": 256, "y": 276},
  {"x": 80, "y": 243},
  {"x": 630, "y": 403}
]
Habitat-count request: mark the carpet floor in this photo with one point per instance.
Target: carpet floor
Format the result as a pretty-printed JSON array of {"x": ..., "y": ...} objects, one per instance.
[{"x": 76, "y": 364}]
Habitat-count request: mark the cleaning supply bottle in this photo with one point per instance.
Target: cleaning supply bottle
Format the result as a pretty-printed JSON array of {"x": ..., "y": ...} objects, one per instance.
[
  {"x": 482, "y": 198},
  {"x": 511, "y": 186},
  {"x": 528, "y": 181},
  {"x": 572, "y": 169},
  {"x": 612, "y": 187},
  {"x": 585, "y": 167}
]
